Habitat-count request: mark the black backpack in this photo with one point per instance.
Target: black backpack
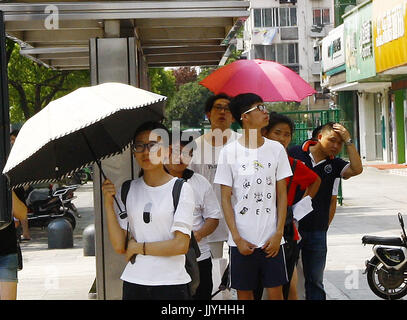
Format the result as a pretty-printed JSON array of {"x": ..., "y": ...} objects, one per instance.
[{"x": 191, "y": 263}]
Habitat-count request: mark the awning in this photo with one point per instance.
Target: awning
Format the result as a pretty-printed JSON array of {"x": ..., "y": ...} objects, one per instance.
[
  {"x": 170, "y": 33},
  {"x": 360, "y": 86}
]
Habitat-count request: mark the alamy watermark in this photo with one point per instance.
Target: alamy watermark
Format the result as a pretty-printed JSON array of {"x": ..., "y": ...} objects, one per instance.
[{"x": 51, "y": 22}]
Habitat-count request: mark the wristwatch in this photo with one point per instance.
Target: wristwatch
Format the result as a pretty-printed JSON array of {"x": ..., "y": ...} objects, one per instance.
[{"x": 349, "y": 142}]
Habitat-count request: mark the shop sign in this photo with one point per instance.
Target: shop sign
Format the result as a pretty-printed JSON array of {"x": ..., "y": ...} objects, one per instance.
[
  {"x": 359, "y": 53},
  {"x": 390, "y": 37}
]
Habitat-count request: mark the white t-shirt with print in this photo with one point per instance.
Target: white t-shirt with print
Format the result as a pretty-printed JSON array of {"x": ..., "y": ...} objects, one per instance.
[
  {"x": 204, "y": 161},
  {"x": 206, "y": 206},
  {"x": 161, "y": 225},
  {"x": 253, "y": 174}
]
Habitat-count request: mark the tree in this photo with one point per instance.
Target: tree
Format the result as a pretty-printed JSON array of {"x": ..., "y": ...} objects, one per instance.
[
  {"x": 33, "y": 86},
  {"x": 184, "y": 75},
  {"x": 162, "y": 82},
  {"x": 187, "y": 105},
  {"x": 285, "y": 106}
]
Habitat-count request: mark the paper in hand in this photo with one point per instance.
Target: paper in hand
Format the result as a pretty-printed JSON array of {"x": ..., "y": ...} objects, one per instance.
[{"x": 302, "y": 208}]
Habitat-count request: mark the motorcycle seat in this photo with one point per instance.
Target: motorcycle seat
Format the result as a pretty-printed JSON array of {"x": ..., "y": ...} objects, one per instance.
[{"x": 390, "y": 241}]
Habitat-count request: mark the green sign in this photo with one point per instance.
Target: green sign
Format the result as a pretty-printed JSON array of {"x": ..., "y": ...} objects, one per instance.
[{"x": 359, "y": 48}]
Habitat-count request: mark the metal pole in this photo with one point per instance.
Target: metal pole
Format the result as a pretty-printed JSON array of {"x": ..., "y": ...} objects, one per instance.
[{"x": 5, "y": 195}]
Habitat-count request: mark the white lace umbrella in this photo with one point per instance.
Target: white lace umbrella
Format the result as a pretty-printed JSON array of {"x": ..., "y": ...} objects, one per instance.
[{"x": 81, "y": 128}]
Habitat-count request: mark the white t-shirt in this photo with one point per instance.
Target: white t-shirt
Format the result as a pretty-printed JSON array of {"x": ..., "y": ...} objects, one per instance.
[
  {"x": 253, "y": 174},
  {"x": 204, "y": 161},
  {"x": 155, "y": 270},
  {"x": 206, "y": 206}
]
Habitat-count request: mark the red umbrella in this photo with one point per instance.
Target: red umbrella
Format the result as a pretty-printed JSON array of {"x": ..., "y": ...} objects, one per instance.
[{"x": 268, "y": 79}]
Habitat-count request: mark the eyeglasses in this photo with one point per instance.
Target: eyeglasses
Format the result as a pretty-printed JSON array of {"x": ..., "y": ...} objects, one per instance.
[
  {"x": 152, "y": 146},
  {"x": 219, "y": 109},
  {"x": 261, "y": 107}
]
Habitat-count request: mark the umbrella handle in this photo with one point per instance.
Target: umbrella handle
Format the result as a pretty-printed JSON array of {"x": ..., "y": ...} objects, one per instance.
[{"x": 123, "y": 214}]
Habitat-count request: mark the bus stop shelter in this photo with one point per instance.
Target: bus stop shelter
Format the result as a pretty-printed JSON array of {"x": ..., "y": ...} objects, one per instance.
[{"x": 118, "y": 41}]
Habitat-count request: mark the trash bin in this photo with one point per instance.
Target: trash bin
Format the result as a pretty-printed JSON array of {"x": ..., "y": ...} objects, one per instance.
[
  {"x": 60, "y": 234},
  {"x": 88, "y": 237}
]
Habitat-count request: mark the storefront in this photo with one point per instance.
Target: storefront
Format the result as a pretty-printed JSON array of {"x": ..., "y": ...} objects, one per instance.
[
  {"x": 374, "y": 76},
  {"x": 372, "y": 90},
  {"x": 389, "y": 20}
]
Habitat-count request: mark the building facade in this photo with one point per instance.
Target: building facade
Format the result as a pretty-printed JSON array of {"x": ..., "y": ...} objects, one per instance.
[
  {"x": 375, "y": 69},
  {"x": 288, "y": 31}
]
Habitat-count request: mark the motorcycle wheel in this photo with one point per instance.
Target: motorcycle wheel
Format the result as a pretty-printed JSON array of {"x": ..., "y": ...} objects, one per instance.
[
  {"x": 71, "y": 219},
  {"x": 386, "y": 284}
]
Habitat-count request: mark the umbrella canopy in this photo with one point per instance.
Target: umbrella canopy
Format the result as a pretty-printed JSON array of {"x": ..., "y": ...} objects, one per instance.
[
  {"x": 74, "y": 131},
  {"x": 268, "y": 79}
]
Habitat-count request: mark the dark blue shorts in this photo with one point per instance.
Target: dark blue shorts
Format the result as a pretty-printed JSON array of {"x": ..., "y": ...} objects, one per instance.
[
  {"x": 8, "y": 267},
  {"x": 247, "y": 271}
]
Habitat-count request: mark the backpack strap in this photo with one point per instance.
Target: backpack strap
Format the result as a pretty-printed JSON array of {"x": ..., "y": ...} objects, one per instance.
[
  {"x": 123, "y": 196},
  {"x": 176, "y": 192},
  {"x": 291, "y": 178}
]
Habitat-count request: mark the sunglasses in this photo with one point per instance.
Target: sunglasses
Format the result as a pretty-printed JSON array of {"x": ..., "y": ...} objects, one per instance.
[
  {"x": 152, "y": 146},
  {"x": 261, "y": 107}
]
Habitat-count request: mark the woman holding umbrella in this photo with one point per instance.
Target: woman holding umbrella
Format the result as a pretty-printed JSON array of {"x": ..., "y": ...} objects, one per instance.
[{"x": 160, "y": 237}]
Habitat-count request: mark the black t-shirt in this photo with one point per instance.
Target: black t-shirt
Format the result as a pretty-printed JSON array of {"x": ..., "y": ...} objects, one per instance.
[
  {"x": 328, "y": 171},
  {"x": 8, "y": 235},
  {"x": 8, "y": 240}
]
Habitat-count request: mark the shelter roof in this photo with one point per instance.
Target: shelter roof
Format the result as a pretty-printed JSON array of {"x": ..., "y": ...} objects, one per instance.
[{"x": 170, "y": 33}]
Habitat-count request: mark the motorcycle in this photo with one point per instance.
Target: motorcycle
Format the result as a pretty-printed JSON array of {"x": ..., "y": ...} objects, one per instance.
[
  {"x": 80, "y": 177},
  {"x": 45, "y": 205},
  {"x": 387, "y": 270}
]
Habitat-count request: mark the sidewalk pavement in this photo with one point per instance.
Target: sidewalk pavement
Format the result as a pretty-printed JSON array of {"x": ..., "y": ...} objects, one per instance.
[{"x": 371, "y": 202}]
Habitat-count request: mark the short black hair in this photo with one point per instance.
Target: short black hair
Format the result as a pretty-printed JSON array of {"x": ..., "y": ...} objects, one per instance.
[
  {"x": 329, "y": 126},
  {"x": 242, "y": 103},
  {"x": 211, "y": 100},
  {"x": 14, "y": 133},
  {"x": 316, "y": 132},
  {"x": 277, "y": 118},
  {"x": 150, "y": 126}
]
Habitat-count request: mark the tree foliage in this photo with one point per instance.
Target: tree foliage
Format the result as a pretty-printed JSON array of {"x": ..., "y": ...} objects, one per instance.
[
  {"x": 184, "y": 75},
  {"x": 187, "y": 105},
  {"x": 162, "y": 82},
  {"x": 33, "y": 86}
]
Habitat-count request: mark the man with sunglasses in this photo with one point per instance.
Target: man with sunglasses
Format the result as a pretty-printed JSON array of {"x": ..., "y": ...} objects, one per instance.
[
  {"x": 205, "y": 158},
  {"x": 253, "y": 169}
]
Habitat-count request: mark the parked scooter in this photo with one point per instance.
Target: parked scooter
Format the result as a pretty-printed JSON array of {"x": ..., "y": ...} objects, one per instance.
[
  {"x": 80, "y": 177},
  {"x": 44, "y": 205},
  {"x": 387, "y": 270}
]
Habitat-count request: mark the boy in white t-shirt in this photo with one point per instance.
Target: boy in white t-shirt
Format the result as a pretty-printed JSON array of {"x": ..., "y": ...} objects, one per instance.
[
  {"x": 206, "y": 213},
  {"x": 254, "y": 169}
]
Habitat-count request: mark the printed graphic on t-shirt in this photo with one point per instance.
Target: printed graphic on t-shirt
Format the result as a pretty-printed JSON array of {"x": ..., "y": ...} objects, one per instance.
[{"x": 263, "y": 188}]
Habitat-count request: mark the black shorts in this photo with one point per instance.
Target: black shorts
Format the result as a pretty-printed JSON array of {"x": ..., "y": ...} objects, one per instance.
[
  {"x": 133, "y": 291},
  {"x": 247, "y": 271}
]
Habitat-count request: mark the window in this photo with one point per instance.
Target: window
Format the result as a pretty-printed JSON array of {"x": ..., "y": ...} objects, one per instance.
[
  {"x": 275, "y": 17},
  {"x": 284, "y": 17},
  {"x": 257, "y": 18},
  {"x": 317, "y": 54},
  {"x": 284, "y": 53},
  {"x": 321, "y": 16}
]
